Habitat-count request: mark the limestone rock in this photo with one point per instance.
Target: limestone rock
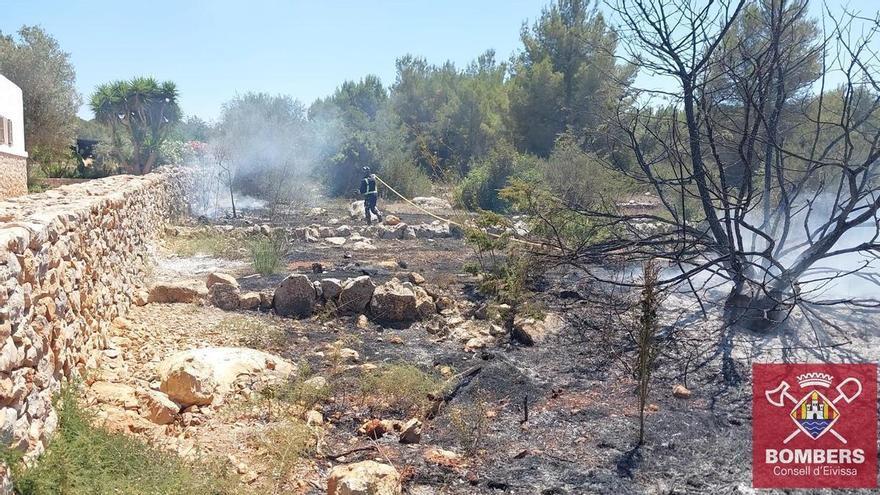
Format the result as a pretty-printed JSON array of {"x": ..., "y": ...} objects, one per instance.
[
  {"x": 391, "y": 220},
  {"x": 363, "y": 478},
  {"x": 202, "y": 376},
  {"x": 356, "y": 209},
  {"x": 432, "y": 231},
  {"x": 362, "y": 323},
  {"x": 330, "y": 288},
  {"x": 159, "y": 408},
  {"x": 141, "y": 298},
  {"x": 355, "y": 295},
  {"x": 681, "y": 392},
  {"x": 531, "y": 331},
  {"x": 224, "y": 296},
  {"x": 221, "y": 278},
  {"x": 188, "y": 291},
  {"x": 411, "y": 432},
  {"x": 401, "y": 302},
  {"x": 295, "y": 297},
  {"x": 335, "y": 241},
  {"x": 115, "y": 393},
  {"x": 313, "y": 417},
  {"x": 416, "y": 278},
  {"x": 250, "y": 300}
]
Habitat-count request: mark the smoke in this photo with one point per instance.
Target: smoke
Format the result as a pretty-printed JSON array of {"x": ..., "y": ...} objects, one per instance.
[{"x": 265, "y": 150}]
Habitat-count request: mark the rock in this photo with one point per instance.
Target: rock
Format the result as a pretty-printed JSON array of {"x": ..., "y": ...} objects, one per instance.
[
  {"x": 203, "y": 376},
  {"x": 363, "y": 478},
  {"x": 444, "y": 303},
  {"x": 266, "y": 298},
  {"x": 432, "y": 203},
  {"x": 391, "y": 220},
  {"x": 159, "y": 408},
  {"x": 443, "y": 457},
  {"x": 411, "y": 432},
  {"x": 316, "y": 382},
  {"x": 377, "y": 428},
  {"x": 316, "y": 212},
  {"x": 314, "y": 418},
  {"x": 408, "y": 234},
  {"x": 115, "y": 393},
  {"x": 295, "y": 296},
  {"x": 317, "y": 268},
  {"x": 266, "y": 230},
  {"x": 343, "y": 231},
  {"x": 356, "y": 209},
  {"x": 681, "y": 392},
  {"x": 391, "y": 232},
  {"x": 362, "y": 322},
  {"x": 425, "y": 306},
  {"x": 432, "y": 231},
  {"x": 188, "y": 291},
  {"x": 530, "y": 331},
  {"x": 335, "y": 241},
  {"x": 355, "y": 295},
  {"x": 401, "y": 302},
  {"x": 363, "y": 245},
  {"x": 224, "y": 296},
  {"x": 330, "y": 288},
  {"x": 416, "y": 278},
  {"x": 250, "y": 300},
  {"x": 141, "y": 298},
  {"x": 221, "y": 278}
]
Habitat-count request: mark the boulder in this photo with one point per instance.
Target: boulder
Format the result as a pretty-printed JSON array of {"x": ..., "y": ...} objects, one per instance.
[
  {"x": 330, "y": 288},
  {"x": 204, "y": 376},
  {"x": 221, "y": 278},
  {"x": 391, "y": 220},
  {"x": 343, "y": 231},
  {"x": 362, "y": 323},
  {"x": 531, "y": 331},
  {"x": 187, "y": 291},
  {"x": 115, "y": 393},
  {"x": 295, "y": 296},
  {"x": 394, "y": 231},
  {"x": 416, "y": 278},
  {"x": 355, "y": 295},
  {"x": 401, "y": 302},
  {"x": 432, "y": 203},
  {"x": 249, "y": 300},
  {"x": 363, "y": 478},
  {"x": 356, "y": 209},
  {"x": 159, "y": 408},
  {"x": 225, "y": 296}
]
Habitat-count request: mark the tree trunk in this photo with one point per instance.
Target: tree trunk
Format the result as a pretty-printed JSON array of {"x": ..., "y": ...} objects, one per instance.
[{"x": 751, "y": 306}]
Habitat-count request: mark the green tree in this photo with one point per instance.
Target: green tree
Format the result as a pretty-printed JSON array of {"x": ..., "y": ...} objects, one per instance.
[
  {"x": 142, "y": 112},
  {"x": 35, "y": 62},
  {"x": 566, "y": 77}
]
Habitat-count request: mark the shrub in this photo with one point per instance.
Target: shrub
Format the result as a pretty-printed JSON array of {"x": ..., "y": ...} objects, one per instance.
[
  {"x": 267, "y": 253},
  {"x": 579, "y": 177},
  {"x": 401, "y": 388},
  {"x": 480, "y": 188},
  {"x": 406, "y": 178},
  {"x": 470, "y": 423},
  {"x": 84, "y": 459},
  {"x": 283, "y": 446}
]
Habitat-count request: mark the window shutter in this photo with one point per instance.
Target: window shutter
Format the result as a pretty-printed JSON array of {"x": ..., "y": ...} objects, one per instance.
[
  {"x": 2, "y": 130},
  {"x": 9, "y": 131}
]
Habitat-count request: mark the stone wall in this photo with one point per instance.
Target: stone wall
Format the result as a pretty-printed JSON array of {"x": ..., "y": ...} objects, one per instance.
[
  {"x": 70, "y": 260},
  {"x": 13, "y": 175}
]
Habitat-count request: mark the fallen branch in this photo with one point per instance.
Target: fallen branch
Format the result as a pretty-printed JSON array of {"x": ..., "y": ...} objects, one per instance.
[{"x": 458, "y": 382}]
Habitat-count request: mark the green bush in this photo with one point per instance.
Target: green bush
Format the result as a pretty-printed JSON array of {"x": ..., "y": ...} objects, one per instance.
[
  {"x": 399, "y": 388},
  {"x": 406, "y": 178},
  {"x": 267, "y": 253},
  {"x": 84, "y": 459},
  {"x": 580, "y": 178},
  {"x": 480, "y": 188}
]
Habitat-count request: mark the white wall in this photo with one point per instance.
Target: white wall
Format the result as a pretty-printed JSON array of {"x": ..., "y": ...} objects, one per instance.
[{"x": 11, "y": 108}]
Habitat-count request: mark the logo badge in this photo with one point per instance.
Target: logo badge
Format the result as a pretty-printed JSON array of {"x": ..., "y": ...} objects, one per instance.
[{"x": 829, "y": 439}]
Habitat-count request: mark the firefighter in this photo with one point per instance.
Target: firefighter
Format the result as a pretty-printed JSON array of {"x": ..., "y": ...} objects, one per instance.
[{"x": 371, "y": 195}]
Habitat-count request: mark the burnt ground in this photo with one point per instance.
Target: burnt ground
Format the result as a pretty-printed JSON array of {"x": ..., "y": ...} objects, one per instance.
[{"x": 576, "y": 388}]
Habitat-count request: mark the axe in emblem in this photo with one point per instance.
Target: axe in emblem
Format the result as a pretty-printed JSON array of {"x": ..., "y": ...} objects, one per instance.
[{"x": 778, "y": 395}]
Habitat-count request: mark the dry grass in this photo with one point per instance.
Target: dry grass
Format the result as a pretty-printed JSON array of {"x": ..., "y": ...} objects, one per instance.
[
  {"x": 399, "y": 388},
  {"x": 251, "y": 332},
  {"x": 208, "y": 242}
]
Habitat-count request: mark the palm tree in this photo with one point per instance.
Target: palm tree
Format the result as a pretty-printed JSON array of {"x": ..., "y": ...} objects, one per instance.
[{"x": 142, "y": 110}]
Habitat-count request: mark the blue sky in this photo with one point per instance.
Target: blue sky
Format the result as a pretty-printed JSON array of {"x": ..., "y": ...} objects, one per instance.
[{"x": 214, "y": 49}]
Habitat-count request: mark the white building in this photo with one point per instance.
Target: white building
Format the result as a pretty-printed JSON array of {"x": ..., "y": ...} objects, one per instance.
[{"x": 13, "y": 157}]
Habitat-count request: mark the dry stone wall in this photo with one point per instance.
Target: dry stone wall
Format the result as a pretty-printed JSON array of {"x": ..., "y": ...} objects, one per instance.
[
  {"x": 70, "y": 261},
  {"x": 13, "y": 175}
]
